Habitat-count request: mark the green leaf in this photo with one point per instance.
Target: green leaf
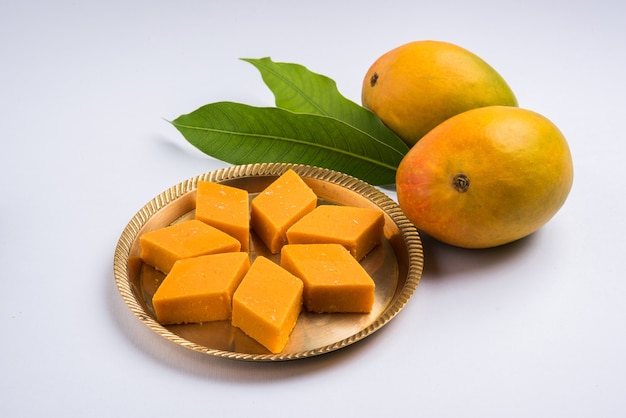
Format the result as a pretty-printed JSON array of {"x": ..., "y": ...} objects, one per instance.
[
  {"x": 242, "y": 134},
  {"x": 300, "y": 90}
]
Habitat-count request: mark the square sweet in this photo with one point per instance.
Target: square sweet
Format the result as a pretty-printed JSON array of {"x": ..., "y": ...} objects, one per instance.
[
  {"x": 357, "y": 229},
  {"x": 267, "y": 303},
  {"x": 279, "y": 206},
  {"x": 200, "y": 289},
  {"x": 334, "y": 281},
  {"x": 162, "y": 247},
  {"x": 226, "y": 208}
]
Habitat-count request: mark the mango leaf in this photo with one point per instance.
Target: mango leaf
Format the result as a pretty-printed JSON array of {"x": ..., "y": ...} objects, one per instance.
[
  {"x": 300, "y": 90},
  {"x": 243, "y": 134}
]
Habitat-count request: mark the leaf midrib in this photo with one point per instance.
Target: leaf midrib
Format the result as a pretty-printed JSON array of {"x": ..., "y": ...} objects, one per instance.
[{"x": 290, "y": 140}]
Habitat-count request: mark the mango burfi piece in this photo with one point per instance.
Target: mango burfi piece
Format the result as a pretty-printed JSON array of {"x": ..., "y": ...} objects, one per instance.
[
  {"x": 334, "y": 281},
  {"x": 225, "y": 208},
  {"x": 162, "y": 247},
  {"x": 267, "y": 303},
  {"x": 200, "y": 289},
  {"x": 357, "y": 229},
  {"x": 279, "y": 206}
]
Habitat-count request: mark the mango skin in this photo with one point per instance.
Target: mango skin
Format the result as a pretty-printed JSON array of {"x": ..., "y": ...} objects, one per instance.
[
  {"x": 486, "y": 177},
  {"x": 418, "y": 85}
]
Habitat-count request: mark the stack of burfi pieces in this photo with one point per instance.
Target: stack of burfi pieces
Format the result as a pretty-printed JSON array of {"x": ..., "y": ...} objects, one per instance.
[{"x": 209, "y": 276}]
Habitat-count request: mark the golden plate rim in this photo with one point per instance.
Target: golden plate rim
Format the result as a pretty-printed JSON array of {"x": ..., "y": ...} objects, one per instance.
[{"x": 408, "y": 231}]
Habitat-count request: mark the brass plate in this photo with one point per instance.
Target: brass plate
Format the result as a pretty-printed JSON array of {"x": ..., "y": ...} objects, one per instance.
[{"x": 396, "y": 266}]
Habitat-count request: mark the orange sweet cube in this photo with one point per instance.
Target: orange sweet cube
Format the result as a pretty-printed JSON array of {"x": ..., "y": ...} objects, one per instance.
[
  {"x": 279, "y": 206},
  {"x": 267, "y": 303},
  {"x": 357, "y": 229},
  {"x": 162, "y": 247},
  {"x": 334, "y": 281},
  {"x": 225, "y": 208},
  {"x": 200, "y": 289}
]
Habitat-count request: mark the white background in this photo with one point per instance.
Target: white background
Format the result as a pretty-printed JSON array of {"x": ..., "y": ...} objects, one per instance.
[{"x": 532, "y": 329}]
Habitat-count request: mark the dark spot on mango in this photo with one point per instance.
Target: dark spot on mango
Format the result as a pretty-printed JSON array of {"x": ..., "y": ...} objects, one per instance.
[
  {"x": 461, "y": 183},
  {"x": 373, "y": 79}
]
